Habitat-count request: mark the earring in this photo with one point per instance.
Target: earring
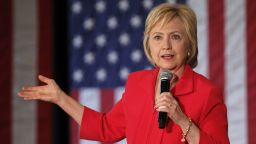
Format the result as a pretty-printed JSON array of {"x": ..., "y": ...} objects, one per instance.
[{"x": 188, "y": 54}]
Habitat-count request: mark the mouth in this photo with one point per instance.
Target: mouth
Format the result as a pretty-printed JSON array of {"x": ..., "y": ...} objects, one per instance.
[{"x": 167, "y": 56}]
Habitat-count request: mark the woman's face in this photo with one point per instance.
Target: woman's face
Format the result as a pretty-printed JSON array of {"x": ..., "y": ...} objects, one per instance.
[{"x": 168, "y": 45}]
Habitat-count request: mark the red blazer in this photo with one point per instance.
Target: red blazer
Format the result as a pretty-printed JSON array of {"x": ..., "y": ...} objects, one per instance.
[{"x": 135, "y": 118}]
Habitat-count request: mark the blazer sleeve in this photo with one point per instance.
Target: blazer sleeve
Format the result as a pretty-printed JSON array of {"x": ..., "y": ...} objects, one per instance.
[
  {"x": 213, "y": 125},
  {"x": 105, "y": 127}
]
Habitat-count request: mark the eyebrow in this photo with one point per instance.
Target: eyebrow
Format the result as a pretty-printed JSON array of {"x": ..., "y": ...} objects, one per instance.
[{"x": 170, "y": 33}]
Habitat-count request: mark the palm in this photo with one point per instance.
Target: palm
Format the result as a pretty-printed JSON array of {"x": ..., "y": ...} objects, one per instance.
[{"x": 49, "y": 92}]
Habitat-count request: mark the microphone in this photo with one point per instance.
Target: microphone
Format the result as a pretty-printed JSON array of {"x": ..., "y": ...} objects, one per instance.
[{"x": 165, "y": 77}]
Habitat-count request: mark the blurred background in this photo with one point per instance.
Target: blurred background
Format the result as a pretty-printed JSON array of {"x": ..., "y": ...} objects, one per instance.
[{"x": 90, "y": 46}]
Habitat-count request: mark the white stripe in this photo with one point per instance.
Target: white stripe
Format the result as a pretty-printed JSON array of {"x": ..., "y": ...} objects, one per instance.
[
  {"x": 24, "y": 70},
  {"x": 200, "y": 8},
  {"x": 90, "y": 97},
  {"x": 235, "y": 70},
  {"x": 118, "y": 93}
]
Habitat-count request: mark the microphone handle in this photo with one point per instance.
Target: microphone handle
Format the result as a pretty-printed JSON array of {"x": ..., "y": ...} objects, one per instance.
[{"x": 162, "y": 116}]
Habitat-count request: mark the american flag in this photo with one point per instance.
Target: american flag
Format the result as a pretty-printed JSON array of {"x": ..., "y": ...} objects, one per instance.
[{"x": 106, "y": 45}]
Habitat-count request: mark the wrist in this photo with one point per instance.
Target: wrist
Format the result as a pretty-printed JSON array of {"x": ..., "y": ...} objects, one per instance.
[
  {"x": 186, "y": 131},
  {"x": 60, "y": 100}
]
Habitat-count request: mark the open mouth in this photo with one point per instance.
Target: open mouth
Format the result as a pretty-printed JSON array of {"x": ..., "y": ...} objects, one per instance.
[{"x": 167, "y": 56}]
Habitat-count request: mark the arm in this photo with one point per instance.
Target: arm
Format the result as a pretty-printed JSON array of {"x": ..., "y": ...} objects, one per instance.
[
  {"x": 52, "y": 93},
  {"x": 213, "y": 122},
  {"x": 106, "y": 127},
  {"x": 212, "y": 126},
  {"x": 94, "y": 125}
]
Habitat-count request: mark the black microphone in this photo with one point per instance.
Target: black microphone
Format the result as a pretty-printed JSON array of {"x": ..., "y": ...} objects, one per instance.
[{"x": 165, "y": 77}]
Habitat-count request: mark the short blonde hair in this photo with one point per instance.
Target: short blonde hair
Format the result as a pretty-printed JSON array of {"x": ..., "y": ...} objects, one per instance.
[{"x": 165, "y": 13}]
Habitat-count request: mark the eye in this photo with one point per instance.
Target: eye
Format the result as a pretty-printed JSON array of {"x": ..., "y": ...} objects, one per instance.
[
  {"x": 175, "y": 37},
  {"x": 157, "y": 37}
]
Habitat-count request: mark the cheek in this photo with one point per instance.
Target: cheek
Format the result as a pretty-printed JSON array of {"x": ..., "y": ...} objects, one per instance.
[{"x": 153, "y": 53}]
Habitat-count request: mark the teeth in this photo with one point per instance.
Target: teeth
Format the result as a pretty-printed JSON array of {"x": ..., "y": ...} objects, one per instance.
[{"x": 167, "y": 55}]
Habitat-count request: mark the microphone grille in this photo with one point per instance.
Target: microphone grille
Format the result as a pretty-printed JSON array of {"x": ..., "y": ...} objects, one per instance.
[{"x": 165, "y": 74}]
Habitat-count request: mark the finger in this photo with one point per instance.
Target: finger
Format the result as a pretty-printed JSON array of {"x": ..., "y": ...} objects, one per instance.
[
  {"x": 34, "y": 96},
  {"x": 163, "y": 109},
  {"x": 33, "y": 88},
  {"x": 162, "y": 101},
  {"x": 31, "y": 93},
  {"x": 161, "y": 96},
  {"x": 44, "y": 79}
]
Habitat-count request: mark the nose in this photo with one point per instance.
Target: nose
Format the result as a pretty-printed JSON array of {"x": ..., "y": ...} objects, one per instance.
[{"x": 166, "y": 43}]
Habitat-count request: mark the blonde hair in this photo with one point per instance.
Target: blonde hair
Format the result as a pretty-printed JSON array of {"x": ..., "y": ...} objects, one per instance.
[{"x": 165, "y": 13}]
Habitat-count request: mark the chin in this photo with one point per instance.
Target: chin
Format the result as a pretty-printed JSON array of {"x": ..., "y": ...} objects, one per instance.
[{"x": 167, "y": 67}]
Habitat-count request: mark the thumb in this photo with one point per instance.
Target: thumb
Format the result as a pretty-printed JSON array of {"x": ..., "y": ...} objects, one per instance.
[{"x": 44, "y": 79}]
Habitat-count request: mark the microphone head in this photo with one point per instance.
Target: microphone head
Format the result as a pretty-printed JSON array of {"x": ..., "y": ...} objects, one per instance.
[{"x": 165, "y": 74}]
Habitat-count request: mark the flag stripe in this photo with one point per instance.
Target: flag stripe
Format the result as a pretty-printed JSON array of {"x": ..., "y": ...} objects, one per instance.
[
  {"x": 107, "y": 99},
  {"x": 200, "y": 8},
  {"x": 90, "y": 97},
  {"x": 74, "y": 130},
  {"x": 251, "y": 68},
  {"x": 24, "y": 70},
  {"x": 6, "y": 72},
  {"x": 235, "y": 70},
  {"x": 44, "y": 110},
  {"x": 216, "y": 42}
]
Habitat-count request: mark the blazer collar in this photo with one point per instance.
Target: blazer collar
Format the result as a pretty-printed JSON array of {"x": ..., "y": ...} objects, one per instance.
[
  {"x": 185, "y": 83},
  {"x": 182, "y": 87}
]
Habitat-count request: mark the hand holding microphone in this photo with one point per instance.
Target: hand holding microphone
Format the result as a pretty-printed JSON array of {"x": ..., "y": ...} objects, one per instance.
[
  {"x": 165, "y": 77},
  {"x": 165, "y": 103}
]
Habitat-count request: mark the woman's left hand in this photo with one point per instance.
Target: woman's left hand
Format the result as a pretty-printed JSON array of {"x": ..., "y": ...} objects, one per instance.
[{"x": 165, "y": 102}]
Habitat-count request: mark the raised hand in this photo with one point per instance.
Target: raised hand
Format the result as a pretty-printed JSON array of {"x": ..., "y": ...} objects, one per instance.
[{"x": 49, "y": 92}]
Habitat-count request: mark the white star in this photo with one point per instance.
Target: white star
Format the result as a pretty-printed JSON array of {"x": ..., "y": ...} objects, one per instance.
[
  {"x": 101, "y": 74},
  {"x": 113, "y": 57},
  {"x": 101, "y": 40},
  {"x": 89, "y": 58},
  {"x": 100, "y": 6},
  {"x": 112, "y": 23},
  {"x": 88, "y": 24},
  {"x": 135, "y": 21},
  {"x": 136, "y": 56},
  {"x": 124, "y": 39},
  {"x": 147, "y": 4},
  {"x": 77, "y": 41},
  {"x": 76, "y": 7},
  {"x": 123, "y": 5},
  {"x": 124, "y": 72},
  {"x": 171, "y": 1},
  {"x": 77, "y": 75}
]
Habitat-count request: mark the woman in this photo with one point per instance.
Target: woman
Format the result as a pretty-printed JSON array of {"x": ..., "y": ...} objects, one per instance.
[{"x": 195, "y": 108}]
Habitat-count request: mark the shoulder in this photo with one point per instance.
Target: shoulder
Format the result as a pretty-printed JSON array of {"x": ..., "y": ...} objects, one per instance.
[
  {"x": 141, "y": 74},
  {"x": 207, "y": 89}
]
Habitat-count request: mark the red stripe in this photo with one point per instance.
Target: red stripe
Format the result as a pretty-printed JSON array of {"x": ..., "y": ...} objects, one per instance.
[
  {"x": 251, "y": 69},
  {"x": 74, "y": 130},
  {"x": 107, "y": 99},
  {"x": 6, "y": 70},
  {"x": 216, "y": 42},
  {"x": 44, "y": 110}
]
